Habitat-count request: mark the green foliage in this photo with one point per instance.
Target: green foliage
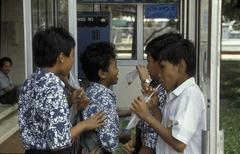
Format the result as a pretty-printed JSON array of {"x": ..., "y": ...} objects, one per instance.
[
  {"x": 231, "y": 9},
  {"x": 230, "y": 80},
  {"x": 229, "y": 121},
  {"x": 230, "y": 105}
]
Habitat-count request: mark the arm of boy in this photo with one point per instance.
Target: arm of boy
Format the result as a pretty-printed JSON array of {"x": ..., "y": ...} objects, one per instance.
[
  {"x": 109, "y": 133},
  {"x": 95, "y": 121},
  {"x": 141, "y": 109},
  {"x": 143, "y": 75}
]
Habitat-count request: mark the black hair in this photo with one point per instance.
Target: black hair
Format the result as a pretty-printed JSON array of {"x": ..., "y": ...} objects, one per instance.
[
  {"x": 49, "y": 43},
  {"x": 95, "y": 57},
  {"x": 5, "y": 59},
  {"x": 183, "y": 50},
  {"x": 155, "y": 46}
]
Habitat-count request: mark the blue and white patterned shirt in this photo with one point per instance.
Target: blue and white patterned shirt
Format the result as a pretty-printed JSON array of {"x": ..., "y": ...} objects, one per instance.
[
  {"x": 148, "y": 135},
  {"x": 104, "y": 99},
  {"x": 44, "y": 113}
]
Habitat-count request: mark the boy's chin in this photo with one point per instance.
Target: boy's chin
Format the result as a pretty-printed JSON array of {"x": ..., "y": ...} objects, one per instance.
[{"x": 116, "y": 81}]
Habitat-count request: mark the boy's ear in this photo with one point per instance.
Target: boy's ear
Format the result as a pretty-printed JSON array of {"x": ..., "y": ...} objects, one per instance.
[
  {"x": 102, "y": 74},
  {"x": 61, "y": 57},
  {"x": 182, "y": 66}
]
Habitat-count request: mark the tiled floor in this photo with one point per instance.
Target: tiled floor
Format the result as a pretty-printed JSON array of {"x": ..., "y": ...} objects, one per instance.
[
  {"x": 12, "y": 145},
  {"x": 6, "y": 109}
]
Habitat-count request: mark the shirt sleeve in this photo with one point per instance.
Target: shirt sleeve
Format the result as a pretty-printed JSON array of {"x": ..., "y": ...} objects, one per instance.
[
  {"x": 3, "y": 82},
  {"x": 108, "y": 134},
  {"x": 58, "y": 132},
  {"x": 187, "y": 118}
]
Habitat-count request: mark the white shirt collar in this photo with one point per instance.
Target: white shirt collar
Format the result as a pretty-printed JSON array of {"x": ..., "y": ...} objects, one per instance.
[{"x": 176, "y": 92}]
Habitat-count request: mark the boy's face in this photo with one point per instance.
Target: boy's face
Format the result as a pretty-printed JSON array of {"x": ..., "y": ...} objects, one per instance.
[
  {"x": 112, "y": 73},
  {"x": 169, "y": 75},
  {"x": 153, "y": 67}
]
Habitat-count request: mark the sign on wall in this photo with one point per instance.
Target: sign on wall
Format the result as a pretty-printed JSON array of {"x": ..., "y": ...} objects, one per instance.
[{"x": 160, "y": 11}]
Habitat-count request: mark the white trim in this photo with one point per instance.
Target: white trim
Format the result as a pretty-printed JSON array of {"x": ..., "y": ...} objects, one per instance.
[
  {"x": 214, "y": 46},
  {"x": 183, "y": 18},
  {"x": 27, "y": 21},
  {"x": 140, "y": 31},
  {"x": 192, "y": 19},
  {"x": 72, "y": 26},
  {"x": 96, "y": 7},
  {"x": 131, "y": 62}
]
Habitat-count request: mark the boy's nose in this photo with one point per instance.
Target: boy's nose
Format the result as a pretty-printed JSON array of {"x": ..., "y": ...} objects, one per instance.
[{"x": 160, "y": 77}]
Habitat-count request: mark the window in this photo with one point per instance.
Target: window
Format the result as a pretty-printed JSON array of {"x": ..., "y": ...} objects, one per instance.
[
  {"x": 47, "y": 13},
  {"x": 123, "y": 32},
  {"x": 159, "y": 19}
]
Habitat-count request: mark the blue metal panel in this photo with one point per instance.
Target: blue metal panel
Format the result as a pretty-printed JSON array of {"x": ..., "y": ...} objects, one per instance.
[
  {"x": 118, "y": 1},
  {"x": 92, "y": 27},
  {"x": 161, "y": 11}
]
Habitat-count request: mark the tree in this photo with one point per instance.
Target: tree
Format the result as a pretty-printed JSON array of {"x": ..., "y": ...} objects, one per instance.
[{"x": 231, "y": 10}]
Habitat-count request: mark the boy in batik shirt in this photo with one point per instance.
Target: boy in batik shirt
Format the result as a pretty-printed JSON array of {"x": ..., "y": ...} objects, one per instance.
[
  {"x": 43, "y": 110},
  {"x": 100, "y": 66}
]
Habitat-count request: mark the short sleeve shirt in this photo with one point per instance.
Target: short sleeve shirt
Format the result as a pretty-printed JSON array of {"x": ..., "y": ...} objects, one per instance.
[
  {"x": 44, "y": 113},
  {"x": 185, "y": 114},
  {"x": 103, "y": 99},
  {"x": 4, "y": 82}
]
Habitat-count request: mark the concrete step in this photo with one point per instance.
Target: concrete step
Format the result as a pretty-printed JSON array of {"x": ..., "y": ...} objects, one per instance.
[
  {"x": 5, "y": 110},
  {"x": 8, "y": 126}
]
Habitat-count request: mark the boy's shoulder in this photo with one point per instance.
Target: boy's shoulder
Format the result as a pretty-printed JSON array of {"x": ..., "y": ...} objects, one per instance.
[
  {"x": 45, "y": 79},
  {"x": 99, "y": 91}
]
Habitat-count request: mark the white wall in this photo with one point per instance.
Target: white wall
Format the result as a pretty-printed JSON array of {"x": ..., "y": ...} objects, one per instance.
[{"x": 126, "y": 93}]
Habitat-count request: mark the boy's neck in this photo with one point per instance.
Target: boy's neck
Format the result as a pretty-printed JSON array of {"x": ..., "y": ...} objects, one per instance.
[
  {"x": 50, "y": 69},
  {"x": 106, "y": 84},
  {"x": 182, "y": 79}
]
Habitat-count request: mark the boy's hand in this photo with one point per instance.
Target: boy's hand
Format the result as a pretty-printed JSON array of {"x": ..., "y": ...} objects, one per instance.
[
  {"x": 153, "y": 103},
  {"x": 143, "y": 75},
  {"x": 146, "y": 90},
  {"x": 142, "y": 72},
  {"x": 79, "y": 97},
  {"x": 128, "y": 148},
  {"x": 95, "y": 121},
  {"x": 140, "y": 107}
]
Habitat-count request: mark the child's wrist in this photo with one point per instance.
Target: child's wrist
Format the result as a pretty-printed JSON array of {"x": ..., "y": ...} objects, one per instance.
[
  {"x": 148, "y": 118},
  {"x": 84, "y": 125}
]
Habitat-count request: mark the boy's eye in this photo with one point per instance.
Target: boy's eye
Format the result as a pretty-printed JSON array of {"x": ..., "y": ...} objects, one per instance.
[{"x": 161, "y": 66}]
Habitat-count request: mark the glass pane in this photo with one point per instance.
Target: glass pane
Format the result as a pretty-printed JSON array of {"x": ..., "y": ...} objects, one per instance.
[
  {"x": 46, "y": 13},
  {"x": 160, "y": 18},
  {"x": 42, "y": 13},
  {"x": 230, "y": 76},
  {"x": 50, "y": 13},
  {"x": 62, "y": 13},
  {"x": 82, "y": 8},
  {"x": 35, "y": 20},
  {"x": 123, "y": 29}
]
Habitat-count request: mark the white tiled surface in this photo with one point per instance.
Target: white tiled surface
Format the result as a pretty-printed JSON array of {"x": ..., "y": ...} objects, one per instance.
[
  {"x": 8, "y": 121},
  {"x": 6, "y": 110}
]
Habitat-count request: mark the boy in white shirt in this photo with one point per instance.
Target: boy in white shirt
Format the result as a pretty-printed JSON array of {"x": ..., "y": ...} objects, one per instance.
[{"x": 184, "y": 115}]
